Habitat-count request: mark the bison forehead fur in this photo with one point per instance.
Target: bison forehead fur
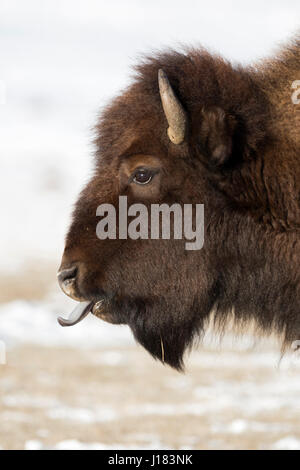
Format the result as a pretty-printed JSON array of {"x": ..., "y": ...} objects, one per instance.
[{"x": 241, "y": 158}]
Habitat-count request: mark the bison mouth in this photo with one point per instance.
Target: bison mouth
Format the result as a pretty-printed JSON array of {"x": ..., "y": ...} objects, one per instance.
[{"x": 81, "y": 310}]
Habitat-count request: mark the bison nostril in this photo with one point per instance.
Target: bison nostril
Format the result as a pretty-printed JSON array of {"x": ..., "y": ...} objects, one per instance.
[
  {"x": 67, "y": 275},
  {"x": 66, "y": 279}
]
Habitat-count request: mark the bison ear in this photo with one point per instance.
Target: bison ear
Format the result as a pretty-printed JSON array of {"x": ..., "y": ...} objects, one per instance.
[{"x": 215, "y": 139}]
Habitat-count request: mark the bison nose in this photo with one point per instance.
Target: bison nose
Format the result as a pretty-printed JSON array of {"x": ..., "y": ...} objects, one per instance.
[
  {"x": 67, "y": 281},
  {"x": 66, "y": 275}
]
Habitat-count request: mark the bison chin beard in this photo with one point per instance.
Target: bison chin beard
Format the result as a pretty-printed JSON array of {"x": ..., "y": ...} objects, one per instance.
[
  {"x": 167, "y": 345},
  {"x": 164, "y": 332}
]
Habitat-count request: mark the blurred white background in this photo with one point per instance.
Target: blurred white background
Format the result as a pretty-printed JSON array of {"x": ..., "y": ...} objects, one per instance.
[{"x": 60, "y": 62}]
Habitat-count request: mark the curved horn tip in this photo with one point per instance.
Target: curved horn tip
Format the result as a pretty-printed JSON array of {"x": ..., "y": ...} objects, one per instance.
[
  {"x": 173, "y": 109},
  {"x": 162, "y": 74},
  {"x": 163, "y": 82},
  {"x": 173, "y": 137}
]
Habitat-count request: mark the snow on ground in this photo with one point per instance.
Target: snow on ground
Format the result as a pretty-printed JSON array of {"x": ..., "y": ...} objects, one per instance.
[
  {"x": 73, "y": 444},
  {"x": 91, "y": 387},
  {"x": 67, "y": 398},
  {"x": 35, "y": 322},
  {"x": 287, "y": 443}
]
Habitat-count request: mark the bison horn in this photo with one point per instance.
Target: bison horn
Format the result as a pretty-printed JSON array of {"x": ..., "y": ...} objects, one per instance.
[{"x": 173, "y": 109}]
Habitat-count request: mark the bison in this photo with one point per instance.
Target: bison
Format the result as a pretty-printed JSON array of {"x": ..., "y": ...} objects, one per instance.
[{"x": 195, "y": 128}]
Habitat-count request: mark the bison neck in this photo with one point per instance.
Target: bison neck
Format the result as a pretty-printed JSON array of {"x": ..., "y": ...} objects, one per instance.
[
  {"x": 278, "y": 79},
  {"x": 260, "y": 274},
  {"x": 266, "y": 185},
  {"x": 259, "y": 277}
]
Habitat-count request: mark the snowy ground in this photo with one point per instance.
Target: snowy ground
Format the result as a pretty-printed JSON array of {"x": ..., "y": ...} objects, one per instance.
[
  {"x": 91, "y": 386},
  {"x": 116, "y": 398}
]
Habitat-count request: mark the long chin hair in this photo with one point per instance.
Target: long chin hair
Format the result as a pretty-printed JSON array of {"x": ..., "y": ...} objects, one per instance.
[
  {"x": 171, "y": 345},
  {"x": 168, "y": 335},
  {"x": 162, "y": 330}
]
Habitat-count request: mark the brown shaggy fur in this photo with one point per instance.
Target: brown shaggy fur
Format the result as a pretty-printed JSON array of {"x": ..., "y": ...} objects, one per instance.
[{"x": 241, "y": 158}]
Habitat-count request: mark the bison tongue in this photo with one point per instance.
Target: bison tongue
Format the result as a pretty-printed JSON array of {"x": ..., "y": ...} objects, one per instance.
[{"x": 78, "y": 314}]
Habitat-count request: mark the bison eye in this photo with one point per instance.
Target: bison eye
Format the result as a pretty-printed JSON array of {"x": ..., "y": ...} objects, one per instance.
[{"x": 142, "y": 176}]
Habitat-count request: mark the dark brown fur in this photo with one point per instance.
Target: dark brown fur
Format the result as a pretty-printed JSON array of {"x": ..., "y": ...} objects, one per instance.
[{"x": 241, "y": 158}]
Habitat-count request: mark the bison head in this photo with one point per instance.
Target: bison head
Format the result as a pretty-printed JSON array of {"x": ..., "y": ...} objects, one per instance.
[{"x": 190, "y": 129}]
